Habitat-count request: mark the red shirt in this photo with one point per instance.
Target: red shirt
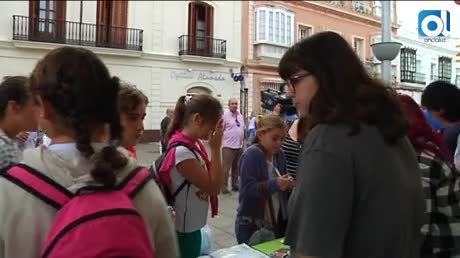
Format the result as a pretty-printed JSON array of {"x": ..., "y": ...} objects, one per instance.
[{"x": 132, "y": 150}]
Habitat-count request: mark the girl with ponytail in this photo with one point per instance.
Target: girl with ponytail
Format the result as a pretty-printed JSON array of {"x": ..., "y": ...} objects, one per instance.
[
  {"x": 187, "y": 170},
  {"x": 78, "y": 107}
]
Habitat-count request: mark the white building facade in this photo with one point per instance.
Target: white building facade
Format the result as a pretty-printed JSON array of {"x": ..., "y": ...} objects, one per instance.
[
  {"x": 165, "y": 48},
  {"x": 419, "y": 63}
]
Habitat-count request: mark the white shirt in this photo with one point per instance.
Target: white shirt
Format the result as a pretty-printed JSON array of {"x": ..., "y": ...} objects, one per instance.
[
  {"x": 191, "y": 211},
  {"x": 457, "y": 155}
]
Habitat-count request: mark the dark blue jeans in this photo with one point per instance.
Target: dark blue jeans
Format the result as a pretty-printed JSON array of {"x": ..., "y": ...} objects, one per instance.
[{"x": 243, "y": 230}]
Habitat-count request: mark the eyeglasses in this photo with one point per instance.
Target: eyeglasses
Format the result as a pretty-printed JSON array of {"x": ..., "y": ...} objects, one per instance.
[{"x": 295, "y": 79}]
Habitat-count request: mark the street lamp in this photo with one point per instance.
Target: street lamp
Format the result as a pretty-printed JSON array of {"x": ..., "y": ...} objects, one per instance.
[{"x": 386, "y": 50}]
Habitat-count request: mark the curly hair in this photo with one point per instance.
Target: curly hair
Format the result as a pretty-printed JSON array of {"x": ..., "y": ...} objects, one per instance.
[
  {"x": 78, "y": 86},
  {"x": 346, "y": 94}
]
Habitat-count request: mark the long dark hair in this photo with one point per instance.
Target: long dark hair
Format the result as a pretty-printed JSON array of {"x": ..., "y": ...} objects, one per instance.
[
  {"x": 347, "y": 94},
  {"x": 206, "y": 105},
  {"x": 13, "y": 88},
  {"x": 80, "y": 89}
]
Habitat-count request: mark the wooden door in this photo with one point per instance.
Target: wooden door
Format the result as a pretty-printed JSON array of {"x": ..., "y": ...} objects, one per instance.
[
  {"x": 112, "y": 19},
  {"x": 47, "y": 20},
  {"x": 200, "y": 29}
]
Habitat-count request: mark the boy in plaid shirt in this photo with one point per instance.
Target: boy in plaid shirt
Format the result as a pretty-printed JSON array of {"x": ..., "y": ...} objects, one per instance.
[
  {"x": 18, "y": 112},
  {"x": 440, "y": 181}
]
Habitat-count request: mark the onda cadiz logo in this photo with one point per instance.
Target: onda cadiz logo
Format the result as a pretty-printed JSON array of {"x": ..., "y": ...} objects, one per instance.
[{"x": 434, "y": 25}]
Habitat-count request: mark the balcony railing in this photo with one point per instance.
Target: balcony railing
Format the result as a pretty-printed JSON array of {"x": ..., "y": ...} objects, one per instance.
[
  {"x": 75, "y": 33},
  {"x": 440, "y": 78},
  {"x": 202, "y": 46},
  {"x": 413, "y": 77}
]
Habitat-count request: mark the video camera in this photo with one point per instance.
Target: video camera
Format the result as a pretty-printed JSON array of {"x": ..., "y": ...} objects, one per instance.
[{"x": 270, "y": 98}]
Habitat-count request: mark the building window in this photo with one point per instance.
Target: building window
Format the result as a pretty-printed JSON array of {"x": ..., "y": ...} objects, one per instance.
[
  {"x": 304, "y": 31},
  {"x": 200, "y": 26},
  {"x": 47, "y": 19},
  {"x": 433, "y": 71},
  {"x": 274, "y": 25},
  {"x": 358, "y": 46},
  {"x": 112, "y": 22},
  {"x": 408, "y": 64},
  {"x": 378, "y": 8},
  {"x": 444, "y": 68}
]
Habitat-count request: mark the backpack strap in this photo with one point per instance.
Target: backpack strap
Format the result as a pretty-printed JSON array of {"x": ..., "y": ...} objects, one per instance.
[
  {"x": 38, "y": 184},
  {"x": 135, "y": 181}
]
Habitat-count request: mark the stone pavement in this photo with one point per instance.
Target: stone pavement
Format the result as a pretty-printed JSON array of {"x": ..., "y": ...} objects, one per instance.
[{"x": 222, "y": 226}]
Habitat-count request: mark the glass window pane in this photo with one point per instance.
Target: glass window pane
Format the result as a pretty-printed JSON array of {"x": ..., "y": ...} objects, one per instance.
[
  {"x": 51, "y": 5},
  {"x": 42, "y": 14},
  {"x": 51, "y": 15},
  {"x": 288, "y": 30},
  {"x": 277, "y": 27},
  {"x": 41, "y": 26},
  {"x": 43, "y": 4},
  {"x": 262, "y": 25},
  {"x": 270, "y": 26},
  {"x": 283, "y": 29}
]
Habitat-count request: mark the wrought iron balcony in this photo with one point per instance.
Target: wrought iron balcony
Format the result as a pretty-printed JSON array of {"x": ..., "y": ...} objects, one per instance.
[
  {"x": 440, "y": 78},
  {"x": 413, "y": 77},
  {"x": 76, "y": 33},
  {"x": 202, "y": 46}
]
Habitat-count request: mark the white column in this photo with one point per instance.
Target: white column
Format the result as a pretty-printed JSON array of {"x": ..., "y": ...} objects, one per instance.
[{"x": 386, "y": 37}]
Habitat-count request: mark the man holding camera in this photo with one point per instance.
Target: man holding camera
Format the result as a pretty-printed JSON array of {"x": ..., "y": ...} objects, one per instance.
[{"x": 234, "y": 128}]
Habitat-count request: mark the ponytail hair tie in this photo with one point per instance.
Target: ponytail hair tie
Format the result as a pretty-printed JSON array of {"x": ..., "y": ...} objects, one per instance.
[{"x": 187, "y": 99}]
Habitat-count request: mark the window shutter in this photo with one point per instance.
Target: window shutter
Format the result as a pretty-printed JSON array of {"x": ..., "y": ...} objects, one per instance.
[
  {"x": 209, "y": 19},
  {"x": 191, "y": 19}
]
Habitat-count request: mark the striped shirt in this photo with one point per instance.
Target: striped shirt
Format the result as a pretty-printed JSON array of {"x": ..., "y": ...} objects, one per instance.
[{"x": 291, "y": 149}]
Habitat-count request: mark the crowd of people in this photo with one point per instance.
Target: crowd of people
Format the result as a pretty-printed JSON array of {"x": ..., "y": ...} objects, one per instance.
[{"x": 361, "y": 171}]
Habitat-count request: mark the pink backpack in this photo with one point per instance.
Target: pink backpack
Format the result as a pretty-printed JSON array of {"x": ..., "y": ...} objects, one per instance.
[{"x": 90, "y": 224}]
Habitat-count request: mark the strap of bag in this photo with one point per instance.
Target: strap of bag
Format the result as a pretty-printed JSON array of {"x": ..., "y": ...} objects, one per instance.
[
  {"x": 170, "y": 147},
  {"x": 135, "y": 181},
  {"x": 38, "y": 184}
]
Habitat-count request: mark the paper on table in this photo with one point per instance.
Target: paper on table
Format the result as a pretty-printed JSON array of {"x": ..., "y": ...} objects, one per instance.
[{"x": 238, "y": 251}]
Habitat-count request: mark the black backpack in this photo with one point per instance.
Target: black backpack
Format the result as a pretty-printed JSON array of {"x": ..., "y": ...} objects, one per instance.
[{"x": 155, "y": 170}]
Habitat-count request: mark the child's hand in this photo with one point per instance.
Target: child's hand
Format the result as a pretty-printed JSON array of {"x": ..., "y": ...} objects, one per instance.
[
  {"x": 22, "y": 136},
  {"x": 285, "y": 182},
  {"x": 215, "y": 139}
]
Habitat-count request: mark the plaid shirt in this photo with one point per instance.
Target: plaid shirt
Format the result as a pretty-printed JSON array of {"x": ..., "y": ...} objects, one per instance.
[
  {"x": 441, "y": 188},
  {"x": 9, "y": 152}
]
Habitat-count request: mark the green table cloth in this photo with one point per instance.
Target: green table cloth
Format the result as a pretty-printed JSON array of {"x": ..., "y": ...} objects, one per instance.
[{"x": 269, "y": 247}]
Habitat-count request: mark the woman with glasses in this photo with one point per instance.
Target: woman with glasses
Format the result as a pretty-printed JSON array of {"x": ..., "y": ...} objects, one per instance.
[{"x": 358, "y": 191}]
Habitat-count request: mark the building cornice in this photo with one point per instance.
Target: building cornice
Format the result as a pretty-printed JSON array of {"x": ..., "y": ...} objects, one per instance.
[
  {"x": 403, "y": 40},
  {"x": 328, "y": 9},
  {"x": 154, "y": 56}
]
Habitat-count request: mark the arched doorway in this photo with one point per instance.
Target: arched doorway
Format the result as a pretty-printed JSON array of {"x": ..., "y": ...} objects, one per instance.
[{"x": 199, "y": 90}]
